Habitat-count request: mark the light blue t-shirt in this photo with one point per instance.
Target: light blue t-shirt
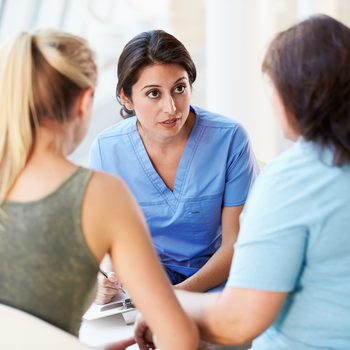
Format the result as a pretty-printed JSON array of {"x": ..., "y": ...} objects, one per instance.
[
  {"x": 217, "y": 169},
  {"x": 295, "y": 237}
]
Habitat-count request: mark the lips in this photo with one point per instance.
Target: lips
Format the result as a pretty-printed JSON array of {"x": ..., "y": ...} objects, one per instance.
[{"x": 170, "y": 121}]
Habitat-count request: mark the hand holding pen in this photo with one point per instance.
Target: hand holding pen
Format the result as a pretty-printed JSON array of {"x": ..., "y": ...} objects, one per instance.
[{"x": 108, "y": 288}]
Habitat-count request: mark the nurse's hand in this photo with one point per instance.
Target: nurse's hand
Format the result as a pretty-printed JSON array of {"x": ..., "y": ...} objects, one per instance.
[
  {"x": 107, "y": 288},
  {"x": 143, "y": 335}
]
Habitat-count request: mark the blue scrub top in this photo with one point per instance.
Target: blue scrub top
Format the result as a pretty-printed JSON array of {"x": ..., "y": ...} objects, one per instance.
[{"x": 217, "y": 169}]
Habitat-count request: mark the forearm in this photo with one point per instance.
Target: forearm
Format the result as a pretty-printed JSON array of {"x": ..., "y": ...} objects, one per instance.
[
  {"x": 197, "y": 305},
  {"x": 212, "y": 274},
  {"x": 234, "y": 316},
  {"x": 217, "y": 268},
  {"x": 214, "y": 318},
  {"x": 205, "y": 311}
]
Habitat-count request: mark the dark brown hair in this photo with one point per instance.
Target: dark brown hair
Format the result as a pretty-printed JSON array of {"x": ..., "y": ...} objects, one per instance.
[
  {"x": 309, "y": 65},
  {"x": 147, "y": 48}
]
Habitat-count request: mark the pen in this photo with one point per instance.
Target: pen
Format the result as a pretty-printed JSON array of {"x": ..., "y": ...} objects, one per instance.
[{"x": 105, "y": 274}]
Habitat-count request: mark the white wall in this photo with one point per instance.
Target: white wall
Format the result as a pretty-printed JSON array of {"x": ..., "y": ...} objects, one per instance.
[{"x": 226, "y": 38}]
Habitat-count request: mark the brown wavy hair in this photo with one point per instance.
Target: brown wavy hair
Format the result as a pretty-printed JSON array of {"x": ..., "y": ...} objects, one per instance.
[{"x": 309, "y": 65}]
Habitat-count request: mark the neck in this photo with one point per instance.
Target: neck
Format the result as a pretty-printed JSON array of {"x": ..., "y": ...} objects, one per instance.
[
  {"x": 46, "y": 166},
  {"x": 52, "y": 141}
]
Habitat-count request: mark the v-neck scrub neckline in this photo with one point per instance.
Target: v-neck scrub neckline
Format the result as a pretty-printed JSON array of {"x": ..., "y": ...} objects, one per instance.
[{"x": 170, "y": 196}]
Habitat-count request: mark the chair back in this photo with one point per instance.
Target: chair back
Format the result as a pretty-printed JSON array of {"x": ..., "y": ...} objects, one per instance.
[{"x": 20, "y": 330}]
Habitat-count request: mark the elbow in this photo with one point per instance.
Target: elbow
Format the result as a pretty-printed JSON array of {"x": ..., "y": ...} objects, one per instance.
[
  {"x": 240, "y": 337},
  {"x": 226, "y": 331},
  {"x": 233, "y": 335}
]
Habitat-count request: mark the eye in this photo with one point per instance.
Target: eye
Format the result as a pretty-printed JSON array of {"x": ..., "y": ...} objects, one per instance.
[
  {"x": 180, "y": 89},
  {"x": 152, "y": 94}
]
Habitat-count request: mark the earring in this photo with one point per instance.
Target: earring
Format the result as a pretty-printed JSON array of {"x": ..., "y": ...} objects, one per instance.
[{"x": 127, "y": 109}]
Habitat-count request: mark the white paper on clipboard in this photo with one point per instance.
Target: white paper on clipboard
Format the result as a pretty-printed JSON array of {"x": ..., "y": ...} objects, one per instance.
[{"x": 96, "y": 311}]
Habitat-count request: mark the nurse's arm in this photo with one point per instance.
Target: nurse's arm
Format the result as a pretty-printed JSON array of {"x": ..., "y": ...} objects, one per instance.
[
  {"x": 235, "y": 315},
  {"x": 217, "y": 268}
]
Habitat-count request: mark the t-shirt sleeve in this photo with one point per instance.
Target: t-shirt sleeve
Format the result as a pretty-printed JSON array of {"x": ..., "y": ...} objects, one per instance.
[
  {"x": 270, "y": 250},
  {"x": 95, "y": 160},
  {"x": 242, "y": 169}
]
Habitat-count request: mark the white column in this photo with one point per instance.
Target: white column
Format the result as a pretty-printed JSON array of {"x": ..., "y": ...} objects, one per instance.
[
  {"x": 233, "y": 60},
  {"x": 226, "y": 55}
]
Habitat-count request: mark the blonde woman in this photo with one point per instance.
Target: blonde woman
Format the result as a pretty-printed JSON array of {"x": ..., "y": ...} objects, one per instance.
[{"x": 57, "y": 219}]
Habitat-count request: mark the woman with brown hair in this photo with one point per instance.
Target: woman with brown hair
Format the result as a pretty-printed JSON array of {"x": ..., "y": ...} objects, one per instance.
[
  {"x": 289, "y": 284},
  {"x": 189, "y": 169}
]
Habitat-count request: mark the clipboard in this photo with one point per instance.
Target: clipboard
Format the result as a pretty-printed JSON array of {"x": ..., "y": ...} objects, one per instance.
[{"x": 123, "y": 306}]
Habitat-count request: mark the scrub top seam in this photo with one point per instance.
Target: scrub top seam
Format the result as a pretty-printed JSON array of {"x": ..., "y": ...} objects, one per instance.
[{"x": 196, "y": 143}]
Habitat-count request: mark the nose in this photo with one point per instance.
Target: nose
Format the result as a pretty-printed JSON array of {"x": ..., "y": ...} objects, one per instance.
[{"x": 169, "y": 105}]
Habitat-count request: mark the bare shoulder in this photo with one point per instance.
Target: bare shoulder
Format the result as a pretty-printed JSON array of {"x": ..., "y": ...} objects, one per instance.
[
  {"x": 105, "y": 182},
  {"x": 108, "y": 195},
  {"x": 108, "y": 209},
  {"x": 108, "y": 189}
]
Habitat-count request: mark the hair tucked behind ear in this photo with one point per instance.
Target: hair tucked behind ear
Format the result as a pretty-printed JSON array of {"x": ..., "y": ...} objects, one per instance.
[{"x": 40, "y": 76}]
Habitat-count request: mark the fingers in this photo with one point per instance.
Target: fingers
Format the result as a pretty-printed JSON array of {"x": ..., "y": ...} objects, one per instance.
[
  {"x": 139, "y": 337},
  {"x": 143, "y": 335},
  {"x": 127, "y": 342},
  {"x": 121, "y": 344},
  {"x": 113, "y": 280},
  {"x": 107, "y": 288}
]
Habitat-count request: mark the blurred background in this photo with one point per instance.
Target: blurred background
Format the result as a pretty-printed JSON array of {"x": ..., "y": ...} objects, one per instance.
[{"x": 226, "y": 38}]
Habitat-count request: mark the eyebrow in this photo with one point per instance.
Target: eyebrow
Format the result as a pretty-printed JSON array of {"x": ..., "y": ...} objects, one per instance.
[{"x": 157, "y": 86}]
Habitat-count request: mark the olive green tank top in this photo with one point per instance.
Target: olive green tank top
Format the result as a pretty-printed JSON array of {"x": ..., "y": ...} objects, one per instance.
[{"x": 46, "y": 267}]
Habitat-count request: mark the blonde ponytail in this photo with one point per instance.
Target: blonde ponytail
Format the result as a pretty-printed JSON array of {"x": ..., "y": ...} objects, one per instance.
[
  {"x": 69, "y": 55},
  {"x": 15, "y": 100},
  {"x": 40, "y": 76}
]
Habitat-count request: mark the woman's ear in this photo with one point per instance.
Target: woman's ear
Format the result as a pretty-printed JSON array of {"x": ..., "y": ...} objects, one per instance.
[
  {"x": 125, "y": 101},
  {"x": 84, "y": 103}
]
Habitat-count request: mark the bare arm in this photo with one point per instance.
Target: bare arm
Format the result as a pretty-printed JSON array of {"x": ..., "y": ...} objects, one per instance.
[
  {"x": 216, "y": 270},
  {"x": 234, "y": 316},
  {"x": 117, "y": 227}
]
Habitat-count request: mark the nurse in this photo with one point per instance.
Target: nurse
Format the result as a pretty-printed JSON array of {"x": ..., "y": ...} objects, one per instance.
[{"x": 189, "y": 169}]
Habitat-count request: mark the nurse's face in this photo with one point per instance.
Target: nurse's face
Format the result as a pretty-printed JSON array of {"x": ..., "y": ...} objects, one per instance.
[{"x": 161, "y": 99}]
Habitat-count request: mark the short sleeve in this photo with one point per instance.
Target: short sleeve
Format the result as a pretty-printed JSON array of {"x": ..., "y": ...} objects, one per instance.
[
  {"x": 241, "y": 171},
  {"x": 270, "y": 250},
  {"x": 95, "y": 160}
]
